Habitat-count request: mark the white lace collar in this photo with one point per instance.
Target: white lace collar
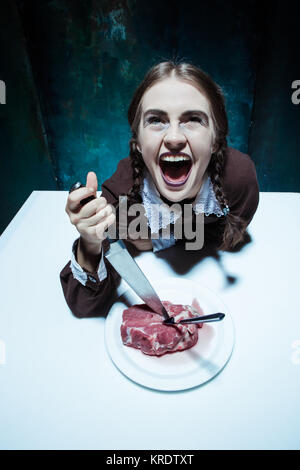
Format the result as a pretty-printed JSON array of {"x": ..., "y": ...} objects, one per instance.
[{"x": 158, "y": 213}]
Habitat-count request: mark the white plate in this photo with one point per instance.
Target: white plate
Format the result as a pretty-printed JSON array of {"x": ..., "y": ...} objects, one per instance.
[{"x": 183, "y": 369}]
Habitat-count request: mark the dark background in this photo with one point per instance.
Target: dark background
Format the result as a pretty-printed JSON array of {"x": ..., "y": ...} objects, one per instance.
[{"x": 71, "y": 67}]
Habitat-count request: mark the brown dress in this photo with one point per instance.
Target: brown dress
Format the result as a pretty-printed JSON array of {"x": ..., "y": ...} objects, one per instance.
[{"x": 96, "y": 297}]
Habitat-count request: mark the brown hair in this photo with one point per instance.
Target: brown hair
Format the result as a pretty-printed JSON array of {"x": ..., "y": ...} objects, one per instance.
[{"x": 233, "y": 227}]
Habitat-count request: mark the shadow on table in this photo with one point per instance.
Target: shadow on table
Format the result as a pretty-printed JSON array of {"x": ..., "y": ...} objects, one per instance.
[{"x": 182, "y": 260}]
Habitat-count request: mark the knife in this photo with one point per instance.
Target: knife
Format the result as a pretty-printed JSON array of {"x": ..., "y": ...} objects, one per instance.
[{"x": 129, "y": 270}]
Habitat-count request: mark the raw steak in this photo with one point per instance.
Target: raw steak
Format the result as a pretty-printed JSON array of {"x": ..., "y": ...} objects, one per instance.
[{"x": 144, "y": 329}]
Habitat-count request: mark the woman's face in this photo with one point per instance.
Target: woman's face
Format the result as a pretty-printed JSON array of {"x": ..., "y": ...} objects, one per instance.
[{"x": 181, "y": 123}]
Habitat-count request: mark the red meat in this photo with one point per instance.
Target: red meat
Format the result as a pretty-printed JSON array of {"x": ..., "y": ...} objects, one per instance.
[{"x": 144, "y": 329}]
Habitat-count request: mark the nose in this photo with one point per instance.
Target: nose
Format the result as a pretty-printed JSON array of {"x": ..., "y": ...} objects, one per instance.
[{"x": 174, "y": 136}]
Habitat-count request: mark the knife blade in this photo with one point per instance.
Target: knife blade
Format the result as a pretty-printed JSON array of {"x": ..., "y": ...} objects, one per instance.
[{"x": 129, "y": 270}]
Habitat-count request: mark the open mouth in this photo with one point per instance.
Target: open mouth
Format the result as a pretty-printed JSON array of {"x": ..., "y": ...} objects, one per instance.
[{"x": 175, "y": 170}]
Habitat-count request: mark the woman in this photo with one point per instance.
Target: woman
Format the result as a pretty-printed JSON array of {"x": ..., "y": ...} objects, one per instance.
[{"x": 178, "y": 154}]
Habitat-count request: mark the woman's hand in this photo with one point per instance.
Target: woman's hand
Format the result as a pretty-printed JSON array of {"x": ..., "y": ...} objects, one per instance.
[{"x": 92, "y": 219}]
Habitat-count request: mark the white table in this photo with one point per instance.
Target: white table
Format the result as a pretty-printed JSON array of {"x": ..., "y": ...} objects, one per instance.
[{"x": 60, "y": 390}]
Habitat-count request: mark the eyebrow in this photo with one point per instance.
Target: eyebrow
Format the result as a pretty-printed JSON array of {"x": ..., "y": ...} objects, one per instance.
[{"x": 160, "y": 112}]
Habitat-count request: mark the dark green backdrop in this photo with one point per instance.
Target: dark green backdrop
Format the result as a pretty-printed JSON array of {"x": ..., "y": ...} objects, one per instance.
[{"x": 71, "y": 67}]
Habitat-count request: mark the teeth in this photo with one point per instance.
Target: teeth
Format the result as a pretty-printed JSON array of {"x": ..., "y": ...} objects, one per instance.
[{"x": 174, "y": 159}]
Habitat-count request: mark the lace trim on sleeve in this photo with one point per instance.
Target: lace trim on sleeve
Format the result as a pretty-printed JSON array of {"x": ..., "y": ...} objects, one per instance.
[
  {"x": 102, "y": 271},
  {"x": 80, "y": 274}
]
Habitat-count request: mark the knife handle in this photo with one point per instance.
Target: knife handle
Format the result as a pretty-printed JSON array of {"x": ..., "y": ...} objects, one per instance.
[
  {"x": 86, "y": 199},
  {"x": 204, "y": 318}
]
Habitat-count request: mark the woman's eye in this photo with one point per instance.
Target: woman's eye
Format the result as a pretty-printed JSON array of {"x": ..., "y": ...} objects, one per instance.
[
  {"x": 157, "y": 120},
  {"x": 151, "y": 120},
  {"x": 196, "y": 118}
]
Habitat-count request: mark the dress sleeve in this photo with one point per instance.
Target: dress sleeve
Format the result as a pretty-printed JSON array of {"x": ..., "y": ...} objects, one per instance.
[
  {"x": 88, "y": 296},
  {"x": 79, "y": 273}
]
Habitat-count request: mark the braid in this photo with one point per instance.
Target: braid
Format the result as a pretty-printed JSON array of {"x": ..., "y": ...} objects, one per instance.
[
  {"x": 234, "y": 226},
  {"x": 137, "y": 166},
  {"x": 216, "y": 168}
]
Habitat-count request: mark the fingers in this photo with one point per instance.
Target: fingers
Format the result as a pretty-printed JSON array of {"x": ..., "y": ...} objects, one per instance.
[
  {"x": 93, "y": 207},
  {"x": 95, "y": 233},
  {"x": 92, "y": 212},
  {"x": 103, "y": 225},
  {"x": 74, "y": 198},
  {"x": 101, "y": 215},
  {"x": 91, "y": 181},
  {"x": 93, "y": 216}
]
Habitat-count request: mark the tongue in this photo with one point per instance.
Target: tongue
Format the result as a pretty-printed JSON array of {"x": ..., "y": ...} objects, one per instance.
[{"x": 175, "y": 172}]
